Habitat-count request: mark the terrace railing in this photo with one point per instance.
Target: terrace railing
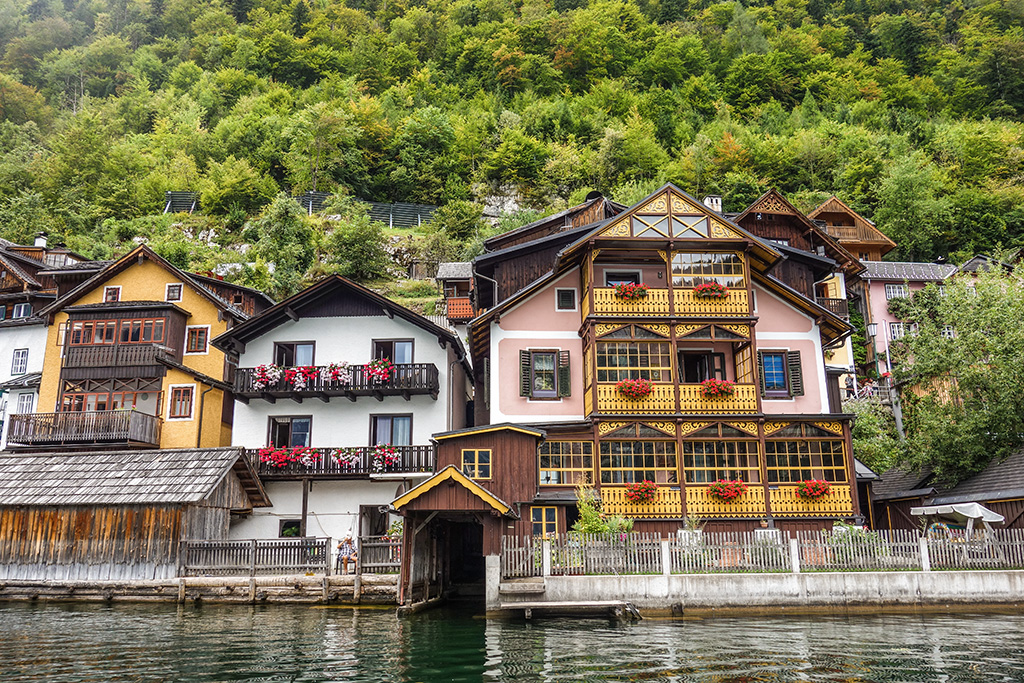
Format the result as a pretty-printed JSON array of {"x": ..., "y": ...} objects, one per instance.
[
  {"x": 119, "y": 427},
  {"x": 760, "y": 551},
  {"x": 406, "y": 379},
  {"x": 256, "y": 557},
  {"x": 343, "y": 463},
  {"x": 379, "y": 555},
  {"x": 840, "y": 307}
]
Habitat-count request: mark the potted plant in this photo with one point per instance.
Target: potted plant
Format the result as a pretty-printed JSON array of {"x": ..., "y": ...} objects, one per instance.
[
  {"x": 641, "y": 492},
  {"x": 265, "y": 375},
  {"x": 711, "y": 290},
  {"x": 813, "y": 489},
  {"x": 628, "y": 291},
  {"x": 301, "y": 376},
  {"x": 347, "y": 458},
  {"x": 712, "y": 388},
  {"x": 282, "y": 456},
  {"x": 726, "y": 491},
  {"x": 380, "y": 369},
  {"x": 635, "y": 388},
  {"x": 336, "y": 372},
  {"x": 384, "y": 456}
]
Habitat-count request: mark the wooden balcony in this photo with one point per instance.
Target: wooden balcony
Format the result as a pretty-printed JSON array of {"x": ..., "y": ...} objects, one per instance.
[
  {"x": 785, "y": 503},
  {"x": 655, "y": 303},
  {"x": 743, "y": 400},
  {"x": 668, "y": 503},
  {"x": 75, "y": 429},
  {"x": 406, "y": 380},
  {"x": 750, "y": 504},
  {"x": 459, "y": 308},
  {"x": 346, "y": 463},
  {"x": 111, "y": 355},
  {"x": 662, "y": 399},
  {"x": 840, "y": 307},
  {"x": 737, "y": 303}
]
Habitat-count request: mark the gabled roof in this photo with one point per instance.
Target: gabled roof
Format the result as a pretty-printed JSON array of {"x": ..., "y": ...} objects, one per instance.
[
  {"x": 119, "y": 477},
  {"x": 902, "y": 483},
  {"x": 774, "y": 202},
  {"x": 218, "y": 282},
  {"x": 137, "y": 255},
  {"x": 869, "y": 232},
  {"x": 455, "y": 270},
  {"x": 1000, "y": 480},
  {"x": 455, "y": 475},
  {"x": 907, "y": 271},
  {"x": 291, "y": 309},
  {"x": 20, "y": 273},
  {"x": 610, "y": 207},
  {"x": 25, "y": 381},
  {"x": 486, "y": 429},
  {"x": 984, "y": 262}
]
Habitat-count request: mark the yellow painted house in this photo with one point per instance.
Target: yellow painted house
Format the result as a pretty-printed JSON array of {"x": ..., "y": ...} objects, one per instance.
[{"x": 128, "y": 360}]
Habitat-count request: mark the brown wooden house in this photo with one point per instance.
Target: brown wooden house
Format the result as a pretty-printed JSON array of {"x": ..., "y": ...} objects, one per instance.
[{"x": 116, "y": 515}]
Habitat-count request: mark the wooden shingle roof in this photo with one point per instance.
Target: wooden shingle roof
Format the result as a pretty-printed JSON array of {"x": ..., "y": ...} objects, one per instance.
[{"x": 175, "y": 476}]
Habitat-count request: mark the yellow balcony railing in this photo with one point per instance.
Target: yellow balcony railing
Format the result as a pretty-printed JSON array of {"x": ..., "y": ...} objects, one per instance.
[
  {"x": 606, "y": 303},
  {"x": 662, "y": 399},
  {"x": 785, "y": 502},
  {"x": 668, "y": 503},
  {"x": 743, "y": 400},
  {"x": 736, "y": 303},
  {"x": 750, "y": 504}
]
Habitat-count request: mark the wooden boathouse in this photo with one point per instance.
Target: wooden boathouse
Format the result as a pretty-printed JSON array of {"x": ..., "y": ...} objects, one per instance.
[{"x": 116, "y": 515}]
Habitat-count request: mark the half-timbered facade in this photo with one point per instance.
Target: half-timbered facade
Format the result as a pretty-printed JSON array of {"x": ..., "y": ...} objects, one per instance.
[{"x": 338, "y": 390}]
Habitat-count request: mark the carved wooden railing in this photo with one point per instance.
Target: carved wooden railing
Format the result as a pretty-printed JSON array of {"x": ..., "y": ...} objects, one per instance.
[
  {"x": 405, "y": 379},
  {"x": 736, "y": 303},
  {"x": 742, "y": 400},
  {"x": 699, "y": 503},
  {"x": 341, "y": 463},
  {"x": 607, "y": 303},
  {"x": 84, "y": 427},
  {"x": 786, "y": 503},
  {"x": 111, "y": 355},
  {"x": 667, "y": 503},
  {"x": 662, "y": 399}
]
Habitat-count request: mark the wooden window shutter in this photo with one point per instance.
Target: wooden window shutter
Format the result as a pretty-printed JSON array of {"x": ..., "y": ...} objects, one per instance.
[
  {"x": 564, "y": 375},
  {"x": 525, "y": 366},
  {"x": 796, "y": 376},
  {"x": 760, "y": 371}
]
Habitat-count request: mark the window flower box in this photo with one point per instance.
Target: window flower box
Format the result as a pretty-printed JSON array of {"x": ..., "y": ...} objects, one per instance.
[
  {"x": 711, "y": 290},
  {"x": 629, "y": 291},
  {"x": 641, "y": 492},
  {"x": 384, "y": 456},
  {"x": 712, "y": 388},
  {"x": 726, "y": 491},
  {"x": 380, "y": 369},
  {"x": 284, "y": 456},
  {"x": 301, "y": 376},
  {"x": 635, "y": 388},
  {"x": 336, "y": 373},
  {"x": 813, "y": 489},
  {"x": 266, "y": 375}
]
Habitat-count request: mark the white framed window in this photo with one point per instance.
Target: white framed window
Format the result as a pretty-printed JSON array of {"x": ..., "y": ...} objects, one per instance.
[
  {"x": 25, "y": 403},
  {"x": 948, "y": 332},
  {"x": 180, "y": 401},
  {"x": 901, "y": 330},
  {"x": 565, "y": 300},
  {"x": 197, "y": 340},
  {"x": 22, "y": 310},
  {"x": 172, "y": 291},
  {"x": 896, "y": 292},
  {"x": 19, "y": 365},
  {"x": 111, "y": 294}
]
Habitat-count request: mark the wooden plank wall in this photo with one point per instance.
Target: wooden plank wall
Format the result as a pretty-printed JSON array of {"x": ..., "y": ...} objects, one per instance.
[
  {"x": 90, "y": 542},
  {"x": 513, "y": 462}
]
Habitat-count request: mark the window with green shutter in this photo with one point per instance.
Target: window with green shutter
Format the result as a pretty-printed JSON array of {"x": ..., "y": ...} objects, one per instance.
[
  {"x": 544, "y": 374},
  {"x": 780, "y": 374}
]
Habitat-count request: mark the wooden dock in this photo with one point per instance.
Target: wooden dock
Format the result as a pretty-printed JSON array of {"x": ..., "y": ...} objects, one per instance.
[{"x": 617, "y": 609}]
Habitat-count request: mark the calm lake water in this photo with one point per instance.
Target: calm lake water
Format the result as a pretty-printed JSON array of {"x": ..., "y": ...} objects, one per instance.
[{"x": 76, "y": 643}]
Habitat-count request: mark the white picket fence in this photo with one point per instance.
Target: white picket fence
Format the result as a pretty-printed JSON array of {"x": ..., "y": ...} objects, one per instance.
[{"x": 767, "y": 550}]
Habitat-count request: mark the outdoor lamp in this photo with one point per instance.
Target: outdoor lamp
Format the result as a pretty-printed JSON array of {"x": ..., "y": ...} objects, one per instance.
[{"x": 872, "y": 329}]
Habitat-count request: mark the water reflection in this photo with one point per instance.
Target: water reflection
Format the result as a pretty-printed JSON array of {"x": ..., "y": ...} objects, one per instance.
[{"x": 75, "y": 643}]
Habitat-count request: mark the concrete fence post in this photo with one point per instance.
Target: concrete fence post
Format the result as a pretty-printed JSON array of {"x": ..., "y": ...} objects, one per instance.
[
  {"x": 666, "y": 558},
  {"x": 794, "y": 555},
  {"x": 926, "y": 561},
  {"x": 546, "y": 554}
]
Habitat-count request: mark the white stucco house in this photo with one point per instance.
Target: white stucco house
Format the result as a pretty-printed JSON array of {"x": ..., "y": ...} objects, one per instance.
[{"x": 337, "y": 392}]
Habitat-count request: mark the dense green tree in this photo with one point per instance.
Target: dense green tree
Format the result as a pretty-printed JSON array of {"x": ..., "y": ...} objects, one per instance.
[{"x": 283, "y": 246}]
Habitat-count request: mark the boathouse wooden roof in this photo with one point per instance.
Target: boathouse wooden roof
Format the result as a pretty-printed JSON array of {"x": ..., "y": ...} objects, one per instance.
[{"x": 142, "y": 477}]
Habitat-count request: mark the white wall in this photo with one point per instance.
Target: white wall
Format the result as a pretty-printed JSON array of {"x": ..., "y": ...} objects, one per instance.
[
  {"x": 341, "y": 422},
  {"x": 33, "y": 338}
]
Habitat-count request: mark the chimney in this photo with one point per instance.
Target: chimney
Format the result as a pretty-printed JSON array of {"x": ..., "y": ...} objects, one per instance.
[
  {"x": 714, "y": 202},
  {"x": 41, "y": 239}
]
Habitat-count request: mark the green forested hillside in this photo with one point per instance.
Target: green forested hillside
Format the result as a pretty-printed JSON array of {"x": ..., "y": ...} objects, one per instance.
[{"x": 910, "y": 111}]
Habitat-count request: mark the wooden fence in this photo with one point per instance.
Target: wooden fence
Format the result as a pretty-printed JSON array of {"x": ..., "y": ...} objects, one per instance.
[
  {"x": 379, "y": 555},
  {"x": 761, "y": 551},
  {"x": 256, "y": 557}
]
